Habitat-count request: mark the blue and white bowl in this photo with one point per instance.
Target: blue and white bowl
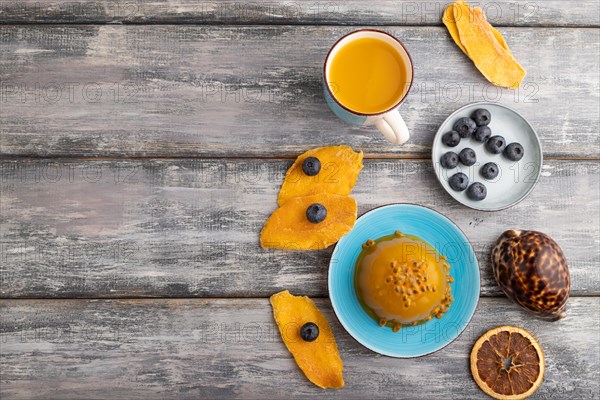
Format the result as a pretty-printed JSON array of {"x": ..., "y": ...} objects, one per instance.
[{"x": 447, "y": 239}]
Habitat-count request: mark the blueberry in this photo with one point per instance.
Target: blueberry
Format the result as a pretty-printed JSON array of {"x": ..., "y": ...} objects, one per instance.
[
  {"x": 459, "y": 181},
  {"x": 514, "y": 152},
  {"x": 309, "y": 332},
  {"x": 482, "y": 117},
  {"x": 489, "y": 170},
  {"x": 465, "y": 127},
  {"x": 495, "y": 144},
  {"x": 451, "y": 139},
  {"x": 316, "y": 213},
  {"x": 483, "y": 133},
  {"x": 449, "y": 160},
  {"x": 311, "y": 166},
  {"x": 467, "y": 156},
  {"x": 477, "y": 191}
]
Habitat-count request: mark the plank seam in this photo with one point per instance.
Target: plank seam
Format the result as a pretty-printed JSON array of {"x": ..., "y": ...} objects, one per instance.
[
  {"x": 150, "y": 298},
  {"x": 278, "y": 24},
  {"x": 418, "y": 157}
]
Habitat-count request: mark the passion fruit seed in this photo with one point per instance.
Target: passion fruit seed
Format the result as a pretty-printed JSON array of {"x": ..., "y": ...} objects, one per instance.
[
  {"x": 368, "y": 243},
  {"x": 311, "y": 166},
  {"x": 309, "y": 332}
]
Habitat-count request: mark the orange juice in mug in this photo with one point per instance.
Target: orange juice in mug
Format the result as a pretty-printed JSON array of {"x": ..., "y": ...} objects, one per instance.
[{"x": 368, "y": 73}]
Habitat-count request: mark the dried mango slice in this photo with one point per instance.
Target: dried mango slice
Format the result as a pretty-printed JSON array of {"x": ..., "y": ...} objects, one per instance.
[
  {"x": 319, "y": 360},
  {"x": 340, "y": 166},
  {"x": 492, "y": 60},
  {"x": 289, "y": 228},
  {"x": 450, "y": 22},
  {"x": 479, "y": 12},
  {"x": 489, "y": 54}
]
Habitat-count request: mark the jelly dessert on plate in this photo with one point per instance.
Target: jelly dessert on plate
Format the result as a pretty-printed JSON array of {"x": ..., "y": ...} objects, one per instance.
[{"x": 402, "y": 280}]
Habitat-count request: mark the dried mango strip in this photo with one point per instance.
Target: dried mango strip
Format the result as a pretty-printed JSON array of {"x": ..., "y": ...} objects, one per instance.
[{"x": 493, "y": 61}]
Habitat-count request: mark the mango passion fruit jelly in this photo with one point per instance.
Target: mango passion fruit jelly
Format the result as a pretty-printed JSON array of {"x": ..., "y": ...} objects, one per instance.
[{"x": 402, "y": 280}]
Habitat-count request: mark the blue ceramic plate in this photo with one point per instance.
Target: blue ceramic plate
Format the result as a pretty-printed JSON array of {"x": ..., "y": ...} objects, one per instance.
[{"x": 448, "y": 240}]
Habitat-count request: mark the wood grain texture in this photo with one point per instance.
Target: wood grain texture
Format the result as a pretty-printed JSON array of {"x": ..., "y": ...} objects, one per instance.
[
  {"x": 215, "y": 349},
  {"x": 330, "y": 12},
  {"x": 123, "y": 228},
  {"x": 256, "y": 91}
]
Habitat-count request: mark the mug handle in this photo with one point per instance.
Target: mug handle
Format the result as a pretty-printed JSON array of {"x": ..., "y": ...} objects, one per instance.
[{"x": 393, "y": 127}]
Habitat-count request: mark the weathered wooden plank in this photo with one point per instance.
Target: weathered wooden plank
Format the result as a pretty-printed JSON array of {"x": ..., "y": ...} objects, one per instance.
[
  {"x": 202, "y": 348},
  {"x": 186, "y": 90},
  {"x": 330, "y": 12},
  {"x": 190, "y": 227}
]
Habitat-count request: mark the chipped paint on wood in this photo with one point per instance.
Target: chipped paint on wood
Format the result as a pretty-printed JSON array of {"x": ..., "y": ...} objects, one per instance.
[
  {"x": 179, "y": 90},
  {"x": 231, "y": 348},
  {"x": 185, "y": 227}
]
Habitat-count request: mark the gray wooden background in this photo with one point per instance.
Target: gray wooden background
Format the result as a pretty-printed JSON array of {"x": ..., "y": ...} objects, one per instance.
[{"x": 143, "y": 145}]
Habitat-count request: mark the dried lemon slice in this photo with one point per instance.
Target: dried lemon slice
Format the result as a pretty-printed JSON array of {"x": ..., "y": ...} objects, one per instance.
[
  {"x": 507, "y": 363},
  {"x": 318, "y": 357}
]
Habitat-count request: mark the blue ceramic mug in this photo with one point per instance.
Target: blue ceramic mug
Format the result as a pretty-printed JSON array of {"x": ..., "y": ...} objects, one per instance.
[{"x": 389, "y": 122}]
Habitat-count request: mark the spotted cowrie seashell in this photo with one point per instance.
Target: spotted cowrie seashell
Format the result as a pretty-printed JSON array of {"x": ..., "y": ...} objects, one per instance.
[{"x": 532, "y": 271}]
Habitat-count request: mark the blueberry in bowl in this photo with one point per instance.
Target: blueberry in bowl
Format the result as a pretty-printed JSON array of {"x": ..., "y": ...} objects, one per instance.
[
  {"x": 482, "y": 133},
  {"x": 465, "y": 127},
  {"x": 514, "y": 151},
  {"x": 451, "y": 139},
  {"x": 449, "y": 160},
  {"x": 458, "y": 181},
  {"x": 482, "y": 117},
  {"x": 495, "y": 144},
  {"x": 467, "y": 156},
  {"x": 477, "y": 191},
  {"x": 489, "y": 170}
]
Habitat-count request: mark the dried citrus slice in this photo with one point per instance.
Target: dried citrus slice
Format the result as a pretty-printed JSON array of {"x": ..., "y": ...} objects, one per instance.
[
  {"x": 339, "y": 169},
  {"x": 318, "y": 358},
  {"x": 289, "y": 227},
  {"x": 507, "y": 363}
]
